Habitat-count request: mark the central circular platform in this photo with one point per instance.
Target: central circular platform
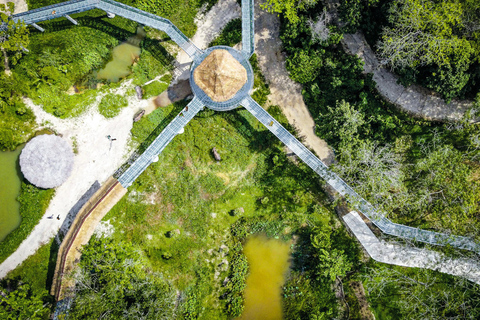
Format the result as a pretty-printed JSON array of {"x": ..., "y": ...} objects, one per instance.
[{"x": 221, "y": 78}]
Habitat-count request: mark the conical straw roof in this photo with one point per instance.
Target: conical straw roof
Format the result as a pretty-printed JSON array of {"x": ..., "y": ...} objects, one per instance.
[
  {"x": 220, "y": 75},
  {"x": 46, "y": 161}
]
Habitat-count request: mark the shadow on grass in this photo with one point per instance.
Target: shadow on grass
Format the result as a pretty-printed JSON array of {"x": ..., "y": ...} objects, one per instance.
[
  {"x": 100, "y": 23},
  {"x": 178, "y": 106}
]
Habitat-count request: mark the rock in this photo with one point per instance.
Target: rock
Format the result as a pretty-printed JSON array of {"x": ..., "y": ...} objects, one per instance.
[
  {"x": 138, "y": 115},
  {"x": 216, "y": 155},
  {"x": 139, "y": 91}
]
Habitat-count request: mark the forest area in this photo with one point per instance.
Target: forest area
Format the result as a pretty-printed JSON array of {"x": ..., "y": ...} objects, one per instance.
[{"x": 173, "y": 248}]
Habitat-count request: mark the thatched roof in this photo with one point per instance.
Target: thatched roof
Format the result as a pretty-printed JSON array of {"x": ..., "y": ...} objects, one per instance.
[
  {"x": 220, "y": 75},
  {"x": 46, "y": 161}
]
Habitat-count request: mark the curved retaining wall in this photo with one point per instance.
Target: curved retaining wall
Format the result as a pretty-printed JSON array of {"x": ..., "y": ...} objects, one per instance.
[{"x": 80, "y": 233}]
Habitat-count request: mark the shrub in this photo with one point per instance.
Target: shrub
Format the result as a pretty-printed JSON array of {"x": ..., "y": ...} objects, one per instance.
[
  {"x": 154, "y": 89},
  {"x": 111, "y": 105}
]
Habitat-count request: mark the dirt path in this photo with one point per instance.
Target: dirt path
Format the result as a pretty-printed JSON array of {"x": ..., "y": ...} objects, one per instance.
[
  {"x": 96, "y": 160},
  {"x": 415, "y": 100},
  {"x": 284, "y": 92}
]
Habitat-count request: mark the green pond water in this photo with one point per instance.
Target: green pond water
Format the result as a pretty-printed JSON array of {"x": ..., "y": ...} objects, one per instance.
[
  {"x": 123, "y": 56},
  {"x": 10, "y": 182},
  {"x": 268, "y": 260}
]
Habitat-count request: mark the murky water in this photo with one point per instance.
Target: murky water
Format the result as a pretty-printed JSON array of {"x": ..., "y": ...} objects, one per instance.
[
  {"x": 268, "y": 260},
  {"x": 9, "y": 188},
  {"x": 123, "y": 57}
]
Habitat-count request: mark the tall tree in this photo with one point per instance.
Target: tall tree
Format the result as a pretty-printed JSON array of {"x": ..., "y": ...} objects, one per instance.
[{"x": 13, "y": 35}]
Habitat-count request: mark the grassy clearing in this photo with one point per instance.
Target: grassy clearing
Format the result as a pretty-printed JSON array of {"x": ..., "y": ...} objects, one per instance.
[
  {"x": 181, "y": 211},
  {"x": 111, "y": 105},
  {"x": 154, "y": 89},
  {"x": 33, "y": 203}
]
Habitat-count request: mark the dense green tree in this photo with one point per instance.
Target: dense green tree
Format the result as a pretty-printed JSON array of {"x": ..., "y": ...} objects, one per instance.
[
  {"x": 289, "y": 8},
  {"x": 13, "y": 36},
  {"x": 406, "y": 293},
  {"x": 112, "y": 283},
  {"x": 21, "y": 303}
]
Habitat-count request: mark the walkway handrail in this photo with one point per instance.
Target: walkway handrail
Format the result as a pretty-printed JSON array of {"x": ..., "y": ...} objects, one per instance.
[
  {"x": 248, "y": 28},
  {"x": 378, "y": 218},
  {"x": 59, "y": 10},
  {"x": 160, "y": 142}
]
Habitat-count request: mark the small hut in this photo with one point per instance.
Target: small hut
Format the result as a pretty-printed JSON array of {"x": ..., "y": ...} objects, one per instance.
[
  {"x": 46, "y": 161},
  {"x": 220, "y": 75}
]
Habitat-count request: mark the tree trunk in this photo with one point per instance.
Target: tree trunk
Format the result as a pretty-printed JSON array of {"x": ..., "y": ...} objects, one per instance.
[{"x": 5, "y": 62}]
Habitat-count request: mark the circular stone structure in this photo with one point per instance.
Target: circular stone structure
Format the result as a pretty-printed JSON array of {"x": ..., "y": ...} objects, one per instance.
[
  {"x": 46, "y": 161},
  {"x": 221, "y": 78}
]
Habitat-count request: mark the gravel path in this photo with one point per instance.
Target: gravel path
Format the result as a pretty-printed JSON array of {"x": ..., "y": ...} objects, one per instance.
[
  {"x": 415, "y": 100},
  {"x": 285, "y": 92}
]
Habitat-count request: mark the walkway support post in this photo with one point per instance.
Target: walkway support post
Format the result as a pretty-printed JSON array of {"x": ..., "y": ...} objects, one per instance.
[
  {"x": 36, "y": 26},
  {"x": 71, "y": 19}
]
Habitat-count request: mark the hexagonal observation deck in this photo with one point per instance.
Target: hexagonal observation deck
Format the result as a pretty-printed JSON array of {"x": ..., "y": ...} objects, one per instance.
[{"x": 221, "y": 78}]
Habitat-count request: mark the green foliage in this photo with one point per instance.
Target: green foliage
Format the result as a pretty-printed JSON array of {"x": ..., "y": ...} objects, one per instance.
[
  {"x": 181, "y": 13},
  {"x": 111, "y": 105},
  {"x": 410, "y": 293},
  {"x": 33, "y": 203},
  {"x": 289, "y": 8},
  {"x": 16, "y": 123},
  {"x": 304, "y": 66},
  {"x": 230, "y": 35},
  {"x": 149, "y": 66},
  {"x": 21, "y": 303},
  {"x": 154, "y": 89},
  {"x": 15, "y": 35},
  {"x": 37, "y": 270},
  {"x": 260, "y": 86},
  {"x": 114, "y": 284},
  {"x": 238, "y": 281}
]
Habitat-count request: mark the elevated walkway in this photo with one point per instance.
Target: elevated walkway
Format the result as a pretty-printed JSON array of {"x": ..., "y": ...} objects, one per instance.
[
  {"x": 407, "y": 256},
  {"x": 32, "y": 17},
  {"x": 346, "y": 191},
  {"x": 80, "y": 233},
  {"x": 248, "y": 28},
  {"x": 163, "y": 139}
]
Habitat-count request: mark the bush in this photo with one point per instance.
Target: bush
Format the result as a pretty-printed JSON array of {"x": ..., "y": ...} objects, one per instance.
[
  {"x": 111, "y": 105},
  {"x": 230, "y": 35},
  {"x": 154, "y": 89}
]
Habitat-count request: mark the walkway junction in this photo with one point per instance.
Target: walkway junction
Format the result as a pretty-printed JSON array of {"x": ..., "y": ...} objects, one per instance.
[{"x": 209, "y": 93}]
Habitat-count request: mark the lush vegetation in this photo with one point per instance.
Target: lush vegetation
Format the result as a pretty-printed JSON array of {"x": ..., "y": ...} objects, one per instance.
[
  {"x": 230, "y": 35},
  {"x": 113, "y": 283},
  {"x": 433, "y": 43},
  {"x": 187, "y": 216},
  {"x": 154, "y": 89},
  {"x": 422, "y": 174},
  {"x": 111, "y": 105},
  {"x": 33, "y": 204},
  {"x": 26, "y": 287},
  {"x": 403, "y": 293}
]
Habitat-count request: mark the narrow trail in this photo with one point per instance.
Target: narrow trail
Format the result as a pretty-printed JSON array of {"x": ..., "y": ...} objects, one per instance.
[
  {"x": 285, "y": 93},
  {"x": 415, "y": 100}
]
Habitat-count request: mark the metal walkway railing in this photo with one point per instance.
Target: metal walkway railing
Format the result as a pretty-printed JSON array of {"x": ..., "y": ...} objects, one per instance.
[
  {"x": 75, "y": 6},
  {"x": 248, "y": 28},
  {"x": 162, "y": 140},
  {"x": 345, "y": 190}
]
